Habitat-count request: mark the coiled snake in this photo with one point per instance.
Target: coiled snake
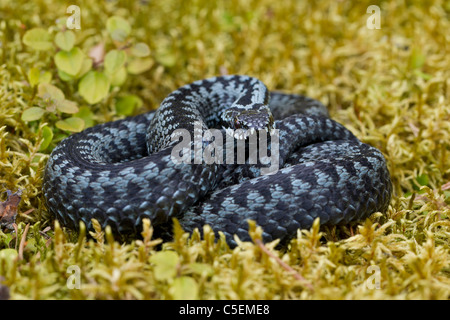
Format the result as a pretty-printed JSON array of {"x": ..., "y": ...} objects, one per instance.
[{"x": 123, "y": 171}]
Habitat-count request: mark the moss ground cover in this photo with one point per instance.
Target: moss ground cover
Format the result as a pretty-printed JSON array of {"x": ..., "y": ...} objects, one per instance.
[{"x": 390, "y": 86}]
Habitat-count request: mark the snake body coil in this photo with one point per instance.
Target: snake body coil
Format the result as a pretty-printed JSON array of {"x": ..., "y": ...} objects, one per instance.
[{"x": 121, "y": 172}]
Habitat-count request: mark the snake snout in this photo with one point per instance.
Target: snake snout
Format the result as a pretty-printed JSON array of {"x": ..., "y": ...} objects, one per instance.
[
  {"x": 249, "y": 122},
  {"x": 255, "y": 120},
  {"x": 250, "y": 117}
]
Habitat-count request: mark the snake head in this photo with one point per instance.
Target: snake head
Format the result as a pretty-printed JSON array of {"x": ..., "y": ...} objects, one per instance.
[{"x": 248, "y": 120}]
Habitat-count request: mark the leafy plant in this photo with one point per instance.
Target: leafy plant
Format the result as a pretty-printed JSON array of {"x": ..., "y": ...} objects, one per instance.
[{"x": 91, "y": 74}]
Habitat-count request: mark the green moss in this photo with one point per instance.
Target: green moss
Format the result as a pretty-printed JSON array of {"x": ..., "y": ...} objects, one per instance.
[{"x": 389, "y": 86}]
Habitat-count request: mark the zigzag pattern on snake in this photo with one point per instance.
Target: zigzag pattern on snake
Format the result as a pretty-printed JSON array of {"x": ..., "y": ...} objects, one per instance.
[{"x": 121, "y": 172}]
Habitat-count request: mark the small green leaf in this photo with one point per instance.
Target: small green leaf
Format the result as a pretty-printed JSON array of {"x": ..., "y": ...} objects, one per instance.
[
  {"x": 85, "y": 67},
  {"x": 45, "y": 77},
  {"x": 38, "y": 39},
  {"x": 166, "y": 58},
  {"x": 165, "y": 264},
  {"x": 6, "y": 239},
  {"x": 87, "y": 115},
  {"x": 72, "y": 124},
  {"x": 118, "y": 28},
  {"x": 140, "y": 50},
  {"x": 94, "y": 86},
  {"x": 7, "y": 258},
  {"x": 71, "y": 61},
  {"x": 65, "y": 76},
  {"x": 32, "y": 114},
  {"x": 67, "y": 106},
  {"x": 119, "y": 35},
  {"x": 65, "y": 40},
  {"x": 48, "y": 91},
  {"x": 201, "y": 268},
  {"x": 47, "y": 135},
  {"x": 118, "y": 78},
  {"x": 125, "y": 106},
  {"x": 8, "y": 254},
  {"x": 33, "y": 76},
  {"x": 184, "y": 288},
  {"x": 114, "y": 60},
  {"x": 139, "y": 65}
]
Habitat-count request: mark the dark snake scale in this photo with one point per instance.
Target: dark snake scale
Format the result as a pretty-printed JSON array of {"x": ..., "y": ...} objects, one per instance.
[{"x": 122, "y": 172}]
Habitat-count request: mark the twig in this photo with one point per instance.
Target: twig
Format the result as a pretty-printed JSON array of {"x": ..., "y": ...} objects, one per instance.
[{"x": 22, "y": 241}]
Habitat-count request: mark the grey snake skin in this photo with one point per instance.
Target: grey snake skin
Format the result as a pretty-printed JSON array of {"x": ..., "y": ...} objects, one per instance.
[{"x": 112, "y": 172}]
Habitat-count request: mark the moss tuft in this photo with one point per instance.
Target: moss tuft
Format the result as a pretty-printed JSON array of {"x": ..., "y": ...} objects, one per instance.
[{"x": 389, "y": 86}]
